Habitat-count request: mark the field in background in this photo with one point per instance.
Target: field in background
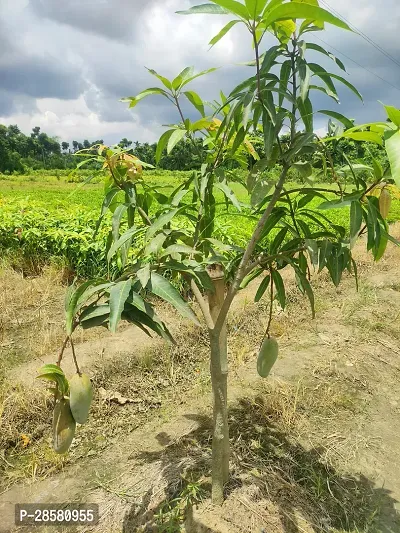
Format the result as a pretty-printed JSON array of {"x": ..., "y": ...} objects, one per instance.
[{"x": 46, "y": 219}]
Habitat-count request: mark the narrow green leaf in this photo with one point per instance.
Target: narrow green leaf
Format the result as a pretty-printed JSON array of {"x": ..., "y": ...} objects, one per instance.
[
  {"x": 394, "y": 114},
  {"x": 262, "y": 288},
  {"x": 163, "y": 80},
  {"x": 284, "y": 79},
  {"x": 306, "y": 112},
  {"x": 223, "y": 32},
  {"x": 161, "y": 287},
  {"x": 234, "y": 7},
  {"x": 296, "y": 10},
  {"x": 116, "y": 220},
  {"x": 134, "y": 100},
  {"x": 306, "y": 287},
  {"x": 392, "y": 145},
  {"x": 356, "y": 217},
  {"x": 255, "y": 7},
  {"x": 72, "y": 304},
  {"x": 317, "y": 48},
  {"x": 121, "y": 241},
  {"x": 118, "y": 295},
  {"x": 155, "y": 244},
  {"x": 144, "y": 275},
  {"x": 338, "y": 116},
  {"x": 208, "y": 9},
  {"x": 182, "y": 76},
  {"x": 179, "y": 249},
  {"x": 196, "y": 101},
  {"x": 229, "y": 194},
  {"x": 368, "y": 136},
  {"x": 280, "y": 292},
  {"x": 162, "y": 143},
  {"x": 161, "y": 222},
  {"x": 176, "y": 136}
]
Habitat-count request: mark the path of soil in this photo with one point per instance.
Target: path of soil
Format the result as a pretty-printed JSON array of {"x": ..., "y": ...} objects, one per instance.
[{"x": 359, "y": 339}]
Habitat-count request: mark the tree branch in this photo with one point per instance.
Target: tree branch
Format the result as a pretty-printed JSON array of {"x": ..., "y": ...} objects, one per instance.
[
  {"x": 202, "y": 304},
  {"x": 241, "y": 272},
  {"x": 267, "y": 259}
]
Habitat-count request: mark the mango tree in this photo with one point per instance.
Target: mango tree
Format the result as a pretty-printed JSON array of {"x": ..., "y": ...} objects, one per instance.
[{"x": 157, "y": 237}]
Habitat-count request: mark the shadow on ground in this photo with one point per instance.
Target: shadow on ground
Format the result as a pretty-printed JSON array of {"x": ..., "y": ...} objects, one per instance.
[{"x": 287, "y": 485}]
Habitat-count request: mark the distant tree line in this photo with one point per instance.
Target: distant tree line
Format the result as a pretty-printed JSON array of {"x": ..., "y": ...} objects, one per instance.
[{"x": 20, "y": 153}]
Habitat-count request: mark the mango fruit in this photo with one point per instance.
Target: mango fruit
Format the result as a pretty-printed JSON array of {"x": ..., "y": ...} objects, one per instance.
[
  {"x": 80, "y": 397},
  {"x": 385, "y": 201},
  {"x": 64, "y": 426},
  {"x": 267, "y": 356}
]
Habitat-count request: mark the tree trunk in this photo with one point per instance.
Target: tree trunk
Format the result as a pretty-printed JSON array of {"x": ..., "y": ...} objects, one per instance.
[{"x": 219, "y": 380}]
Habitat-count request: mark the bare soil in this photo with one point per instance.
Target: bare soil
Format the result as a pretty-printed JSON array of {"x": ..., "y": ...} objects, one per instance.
[{"x": 315, "y": 447}]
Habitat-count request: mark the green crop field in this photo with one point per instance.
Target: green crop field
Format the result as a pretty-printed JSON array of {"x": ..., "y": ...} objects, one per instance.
[{"x": 45, "y": 218}]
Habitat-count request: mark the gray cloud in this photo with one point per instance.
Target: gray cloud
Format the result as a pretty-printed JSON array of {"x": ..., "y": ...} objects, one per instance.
[
  {"x": 94, "y": 52},
  {"x": 40, "y": 78},
  {"x": 115, "y": 20}
]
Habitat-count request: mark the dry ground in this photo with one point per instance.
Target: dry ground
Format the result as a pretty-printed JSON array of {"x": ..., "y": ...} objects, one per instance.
[{"x": 315, "y": 448}]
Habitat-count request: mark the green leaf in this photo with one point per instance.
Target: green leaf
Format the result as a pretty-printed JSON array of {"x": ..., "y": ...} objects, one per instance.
[
  {"x": 182, "y": 76},
  {"x": 262, "y": 288},
  {"x": 196, "y": 101},
  {"x": 296, "y": 10},
  {"x": 179, "y": 249},
  {"x": 122, "y": 241},
  {"x": 338, "y": 116},
  {"x": 223, "y": 32},
  {"x": 144, "y": 275},
  {"x": 51, "y": 369},
  {"x": 306, "y": 112},
  {"x": 304, "y": 168},
  {"x": 162, "y": 143},
  {"x": 161, "y": 287},
  {"x": 382, "y": 239},
  {"x": 326, "y": 91},
  {"x": 146, "y": 318},
  {"x": 202, "y": 73},
  {"x": 356, "y": 218},
  {"x": 338, "y": 204},
  {"x": 155, "y": 244},
  {"x": 234, "y": 7},
  {"x": 260, "y": 191},
  {"x": 394, "y": 114},
  {"x": 317, "y": 48},
  {"x": 306, "y": 287},
  {"x": 118, "y": 295},
  {"x": 392, "y": 145},
  {"x": 279, "y": 288},
  {"x": 161, "y": 222},
  {"x": 368, "y": 136},
  {"x": 305, "y": 78},
  {"x": 208, "y": 9},
  {"x": 313, "y": 250},
  {"x": 274, "y": 247},
  {"x": 163, "y": 80},
  {"x": 255, "y": 7},
  {"x": 229, "y": 194},
  {"x": 284, "y": 79},
  {"x": 176, "y": 136},
  {"x": 72, "y": 304},
  {"x": 347, "y": 84},
  {"x": 134, "y": 100},
  {"x": 94, "y": 316},
  {"x": 116, "y": 220}
]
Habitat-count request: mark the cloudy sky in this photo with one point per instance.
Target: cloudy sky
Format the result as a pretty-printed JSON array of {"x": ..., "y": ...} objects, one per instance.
[{"x": 65, "y": 65}]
